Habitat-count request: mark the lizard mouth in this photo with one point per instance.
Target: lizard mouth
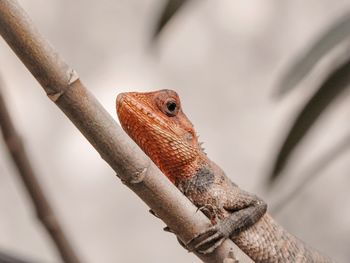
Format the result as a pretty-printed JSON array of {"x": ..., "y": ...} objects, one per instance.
[{"x": 127, "y": 114}]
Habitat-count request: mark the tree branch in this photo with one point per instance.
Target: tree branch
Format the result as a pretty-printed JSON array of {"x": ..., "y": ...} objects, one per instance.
[
  {"x": 63, "y": 86},
  {"x": 42, "y": 207}
]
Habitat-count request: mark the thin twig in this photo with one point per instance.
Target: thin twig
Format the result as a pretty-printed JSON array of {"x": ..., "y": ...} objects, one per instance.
[
  {"x": 63, "y": 86},
  {"x": 25, "y": 169},
  {"x": 312, "y": 173}
]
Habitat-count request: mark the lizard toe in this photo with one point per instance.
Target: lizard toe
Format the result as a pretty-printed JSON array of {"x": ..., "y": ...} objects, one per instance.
[
  {"x": 207, "y": 241},
  {"x": 200, "y": 237},
  {"x": 212, "y": 246}
]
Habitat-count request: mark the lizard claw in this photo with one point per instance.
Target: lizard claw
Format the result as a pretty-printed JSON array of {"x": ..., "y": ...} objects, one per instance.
[{"x": 207, "y": 241}]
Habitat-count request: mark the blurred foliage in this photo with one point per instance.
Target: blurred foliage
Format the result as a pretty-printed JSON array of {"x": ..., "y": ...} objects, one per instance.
[
  {"x": 330, "y": 89},
  {"x": 312, "y": 172},
  {"x": 336, "y": 33},
  {"x": 170, "y": 9}
]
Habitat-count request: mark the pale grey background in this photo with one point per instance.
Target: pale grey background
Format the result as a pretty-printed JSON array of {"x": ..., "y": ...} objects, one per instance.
[{"x": 224, "y": 58}]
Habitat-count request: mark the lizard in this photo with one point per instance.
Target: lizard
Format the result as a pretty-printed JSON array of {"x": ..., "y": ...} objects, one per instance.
[{"x": 156, "y": 122}]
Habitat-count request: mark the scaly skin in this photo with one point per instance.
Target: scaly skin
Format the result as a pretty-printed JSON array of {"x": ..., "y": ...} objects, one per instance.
[{"x": 155, "y": 121}]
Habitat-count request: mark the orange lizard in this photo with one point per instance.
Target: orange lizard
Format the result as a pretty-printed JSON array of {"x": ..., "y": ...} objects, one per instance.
[{"x": 156, "y": 122}]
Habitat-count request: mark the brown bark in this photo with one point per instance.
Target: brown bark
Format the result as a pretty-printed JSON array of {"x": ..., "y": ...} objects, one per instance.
[{"x": 63, "y": 86}]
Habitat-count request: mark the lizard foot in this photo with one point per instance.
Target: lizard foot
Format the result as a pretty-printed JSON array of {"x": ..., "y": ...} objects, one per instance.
[{"x": 207, "y": 241}]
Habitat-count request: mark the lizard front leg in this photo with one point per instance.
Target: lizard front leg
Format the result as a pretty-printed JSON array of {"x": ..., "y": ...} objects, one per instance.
[{"x": 245, "y": 210}]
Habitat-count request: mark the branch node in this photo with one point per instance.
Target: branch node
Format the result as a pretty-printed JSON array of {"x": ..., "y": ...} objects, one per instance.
[
  {"x": 72, "y": 77},
  {"x": 138, "y": 177},
  {"x": 231, "y": 258},
  {"x": 135, "y": 177},
  {"x": 55, "y": 95}
]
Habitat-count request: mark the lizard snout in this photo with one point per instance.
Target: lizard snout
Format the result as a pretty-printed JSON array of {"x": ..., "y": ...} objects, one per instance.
[{"x": 120, "y": 98}]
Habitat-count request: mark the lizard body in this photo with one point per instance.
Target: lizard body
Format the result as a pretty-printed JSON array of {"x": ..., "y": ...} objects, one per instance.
[{"x": 156, "y": 122}]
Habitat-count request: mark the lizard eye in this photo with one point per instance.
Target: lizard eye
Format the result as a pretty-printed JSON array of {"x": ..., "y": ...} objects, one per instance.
[{"x": 171, "y": 108}]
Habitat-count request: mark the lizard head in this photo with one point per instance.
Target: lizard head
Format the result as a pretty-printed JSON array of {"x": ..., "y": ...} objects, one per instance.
[{"x": 156, "y": 122}]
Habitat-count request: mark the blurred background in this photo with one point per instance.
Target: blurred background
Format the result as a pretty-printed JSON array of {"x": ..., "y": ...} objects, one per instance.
[{"x": 232, "y": 64}]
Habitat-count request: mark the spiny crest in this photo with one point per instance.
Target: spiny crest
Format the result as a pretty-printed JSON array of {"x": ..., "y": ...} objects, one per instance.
[{"x": 200, "y": 144}]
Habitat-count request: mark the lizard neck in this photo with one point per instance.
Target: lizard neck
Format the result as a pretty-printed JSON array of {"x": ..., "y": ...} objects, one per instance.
[
  {"x": 185, "y": 172},
  {"x": 177, "y": 165}
]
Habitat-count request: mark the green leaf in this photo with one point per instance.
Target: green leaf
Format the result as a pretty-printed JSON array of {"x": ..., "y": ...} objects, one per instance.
[
  {"x": 170, "y": 9},
  {"x": 337, "y": 33},
  {"x": 333, "y": 86}
]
